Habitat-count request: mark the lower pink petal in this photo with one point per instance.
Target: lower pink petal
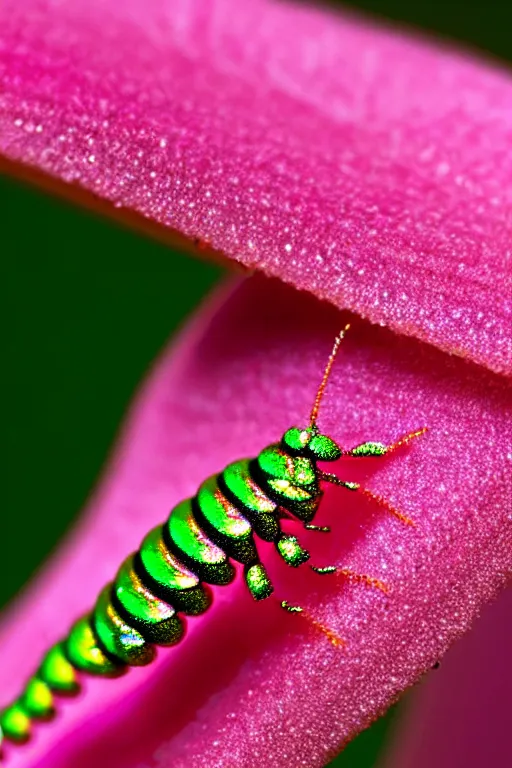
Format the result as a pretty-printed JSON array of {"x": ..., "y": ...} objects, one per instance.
[
  {"x": 252, "y": 685},
  {"x": 461, "y": 715}
]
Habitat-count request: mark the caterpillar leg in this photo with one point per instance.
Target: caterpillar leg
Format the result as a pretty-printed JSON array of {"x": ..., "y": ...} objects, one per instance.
[
  {"x": 329, "y": 633},
  {"x": 291, "y": 551},
  {"x": 318, "y": 528},
  {"x": 258, "y": 581},
  {"x": 352, "y": 576},
  {"x": 382, "y": 502},
  {"x": 261, "y": 587},
  {"x": 308, "y": 527},
  {"x": 379, "y": 449}
]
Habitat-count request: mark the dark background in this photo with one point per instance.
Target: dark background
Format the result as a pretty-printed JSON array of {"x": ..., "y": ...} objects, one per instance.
[{"x": 87, "y": 307}]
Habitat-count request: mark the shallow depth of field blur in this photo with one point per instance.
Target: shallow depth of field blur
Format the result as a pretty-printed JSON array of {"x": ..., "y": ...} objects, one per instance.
[{"x": 88, "y": 307}]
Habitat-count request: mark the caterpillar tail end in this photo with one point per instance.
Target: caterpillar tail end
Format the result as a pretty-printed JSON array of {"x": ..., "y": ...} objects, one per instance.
[{"x": 15, "y": 725}]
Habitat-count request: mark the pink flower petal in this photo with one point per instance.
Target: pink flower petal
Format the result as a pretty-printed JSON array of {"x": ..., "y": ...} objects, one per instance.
[
  {"x": 368, "y": 168},
  {"x": 461, "y": 715},
  {"x": 252, "y": 685}
]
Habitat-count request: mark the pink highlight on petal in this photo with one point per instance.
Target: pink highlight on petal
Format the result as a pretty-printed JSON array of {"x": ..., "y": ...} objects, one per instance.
[
  {"x": 369, "y": 168},
  {"x": 249, "y": 683}
]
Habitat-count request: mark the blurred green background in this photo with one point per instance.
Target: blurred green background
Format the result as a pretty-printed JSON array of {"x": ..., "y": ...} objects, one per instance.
[{"x": 88, "y": 305}]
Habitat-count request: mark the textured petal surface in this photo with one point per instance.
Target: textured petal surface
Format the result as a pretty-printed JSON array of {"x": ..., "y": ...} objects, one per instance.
[
  {"x": 371, "y": 169},
  {"x": 461, "y": 716},
  {"x": 252, "y": 685}
]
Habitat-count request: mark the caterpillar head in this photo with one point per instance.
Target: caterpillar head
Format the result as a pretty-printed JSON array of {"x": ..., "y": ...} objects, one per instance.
[{"x": 311, "y": 443}]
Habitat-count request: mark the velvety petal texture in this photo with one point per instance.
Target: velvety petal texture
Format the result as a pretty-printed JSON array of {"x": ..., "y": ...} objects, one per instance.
[
  {"x": 461, "y": 716},
  {"x": 371, "y": 169},
  {"x": 252, "y": 685}
]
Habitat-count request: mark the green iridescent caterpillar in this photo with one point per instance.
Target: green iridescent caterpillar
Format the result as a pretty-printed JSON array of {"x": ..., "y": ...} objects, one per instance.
[{"x": 167, "y": 578}]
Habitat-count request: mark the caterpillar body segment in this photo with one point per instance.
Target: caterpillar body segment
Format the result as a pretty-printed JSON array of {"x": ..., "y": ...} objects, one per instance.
[{"x": 168, "y": 577}]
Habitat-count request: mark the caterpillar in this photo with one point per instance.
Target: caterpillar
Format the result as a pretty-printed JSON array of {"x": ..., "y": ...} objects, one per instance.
[{"x": 167, "y": 578}]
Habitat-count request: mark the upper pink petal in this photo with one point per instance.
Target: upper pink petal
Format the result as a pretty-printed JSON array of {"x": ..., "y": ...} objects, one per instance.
[
  {"x": 371, "y": 169},
  {"x": 251, "y": 685}
]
